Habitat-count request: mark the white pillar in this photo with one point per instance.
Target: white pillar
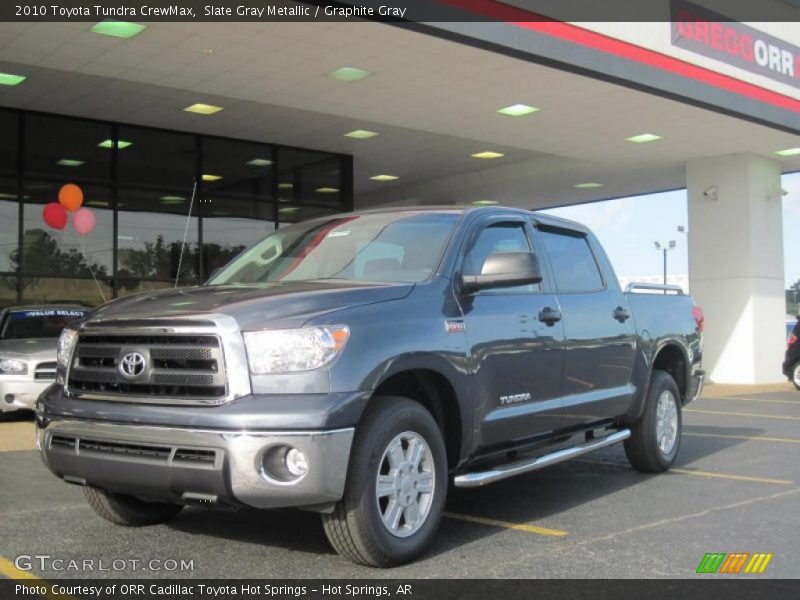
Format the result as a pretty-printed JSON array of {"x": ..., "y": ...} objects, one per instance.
[{"x": 736, "y": 265}]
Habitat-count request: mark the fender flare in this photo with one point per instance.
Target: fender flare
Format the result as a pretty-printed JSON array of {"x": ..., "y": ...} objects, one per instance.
[{"x": 637, "y": 406}]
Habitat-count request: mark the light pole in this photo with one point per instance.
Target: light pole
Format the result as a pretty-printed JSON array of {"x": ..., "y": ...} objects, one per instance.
[{"x": 665, "y": 249}]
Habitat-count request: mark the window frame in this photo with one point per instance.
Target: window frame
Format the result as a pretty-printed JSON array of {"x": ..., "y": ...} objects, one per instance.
[
  {"x": 545, "y": 286},
  {"x": 542, "y": 228}
]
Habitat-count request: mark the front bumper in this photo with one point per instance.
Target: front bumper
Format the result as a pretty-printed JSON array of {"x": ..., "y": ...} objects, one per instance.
[
  {"x": 194, "y": 465},
  {"x": 19, "y": 393}
]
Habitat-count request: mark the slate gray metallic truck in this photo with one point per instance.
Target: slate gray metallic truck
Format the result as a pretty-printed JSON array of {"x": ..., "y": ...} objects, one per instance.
[{"x": 359, "y": 365}]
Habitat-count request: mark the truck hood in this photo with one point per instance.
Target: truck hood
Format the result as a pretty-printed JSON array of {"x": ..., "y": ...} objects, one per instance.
[
  {"x": 254, "y": 305},
  {"x": 33, "y": 349}
]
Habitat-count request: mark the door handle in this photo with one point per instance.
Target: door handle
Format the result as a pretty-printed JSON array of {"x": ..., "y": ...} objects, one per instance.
[
  {"x": 549, "y": 315},
  {"x": 622, "y": 314}
]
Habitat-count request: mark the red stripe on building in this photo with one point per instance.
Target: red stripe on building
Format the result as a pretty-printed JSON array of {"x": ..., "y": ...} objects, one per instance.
[{"x": 608, "y": 45}]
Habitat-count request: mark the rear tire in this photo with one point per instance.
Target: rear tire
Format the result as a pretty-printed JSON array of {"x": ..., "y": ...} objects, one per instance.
[
  {"x": 796, "y": 375},
  {"x": 129, "y": 511},
  {"x": 396, "y": 486},
  {"x": 656, "y": 437}
]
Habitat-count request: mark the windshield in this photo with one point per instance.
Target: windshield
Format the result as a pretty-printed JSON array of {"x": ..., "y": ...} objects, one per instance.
[
  {"x": 398, "y": 247},
  {"x": 44, "y": 323}
]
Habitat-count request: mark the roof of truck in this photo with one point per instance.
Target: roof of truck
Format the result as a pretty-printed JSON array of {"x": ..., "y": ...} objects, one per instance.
[{"x": 540, "y": 217}]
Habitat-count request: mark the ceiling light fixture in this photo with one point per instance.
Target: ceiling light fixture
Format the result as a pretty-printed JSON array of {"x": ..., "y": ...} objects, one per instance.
[
  {"x": 643, "y": 138},
  {"x": 484, "y": 202},
  {"x": 207, "y": 177},
  {"x": 488, "y": 154},
  {"x": 384, "y": 177},
  {"x": 517, "y": 110},
  {"x": 349, "y": 74},
  {"x": 203, "y": 109},
  {"x": 259, "y": 162},
  {"x": 119, "y": 29},
  {"x": 68, "y": 162},
  {"x": 11, "y": 79},
  {"x": 109, "y": 144},
  {"x": 285, "y": 185},
  {"x": 361, "y": 134},
  {"x": 788, "y": 152},
  {"x": 327, "y": 190},
  {"x": 588, "y": 185}
]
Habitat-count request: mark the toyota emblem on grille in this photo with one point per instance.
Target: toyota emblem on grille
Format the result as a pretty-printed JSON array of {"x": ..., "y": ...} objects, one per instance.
[{"x": 132, "y": 364}]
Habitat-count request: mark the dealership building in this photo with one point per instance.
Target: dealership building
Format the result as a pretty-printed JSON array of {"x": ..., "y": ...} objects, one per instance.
[{"x": 261, "y": 124}]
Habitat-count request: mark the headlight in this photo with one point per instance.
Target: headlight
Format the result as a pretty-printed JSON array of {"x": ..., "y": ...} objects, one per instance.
[
  {"x": 12, "y": 366},
  {"x": 66, "y": 342},
  {"x": 291, "y": 350}
]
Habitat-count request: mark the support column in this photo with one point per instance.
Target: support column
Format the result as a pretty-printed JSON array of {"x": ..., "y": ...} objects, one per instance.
[{"x": 736, "y": 265}]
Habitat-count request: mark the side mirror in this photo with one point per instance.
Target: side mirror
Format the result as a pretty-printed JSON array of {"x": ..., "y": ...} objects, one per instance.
[{"x": 504, "y": 269}]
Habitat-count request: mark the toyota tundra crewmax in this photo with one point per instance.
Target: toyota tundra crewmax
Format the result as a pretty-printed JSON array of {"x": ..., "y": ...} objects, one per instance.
[{"x": 358, "y": 365}]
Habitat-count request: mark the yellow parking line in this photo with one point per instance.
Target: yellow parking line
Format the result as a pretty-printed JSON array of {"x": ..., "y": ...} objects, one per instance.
[
  {"x": 28, "y": 579},
  {"x": 8, "y": 569},
  {"x": 741, "y": 414},
  {"x": 759, "y": 438},
  {"x": 730, "y": 476},
  {"x": 765, "y": 400},
  {"x": 698, "y": 473},
  {"x": 507, "y": 525}
]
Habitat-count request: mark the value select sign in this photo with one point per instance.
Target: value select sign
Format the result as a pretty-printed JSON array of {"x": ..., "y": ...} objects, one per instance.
[{"x": 711, "y": 34}]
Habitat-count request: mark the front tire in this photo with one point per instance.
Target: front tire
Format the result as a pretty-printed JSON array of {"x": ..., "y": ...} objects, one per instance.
[
  {"x": 396, "y": 486},
  {"x": 656, "y": 437},
  {"x": 129, "y": 511}
]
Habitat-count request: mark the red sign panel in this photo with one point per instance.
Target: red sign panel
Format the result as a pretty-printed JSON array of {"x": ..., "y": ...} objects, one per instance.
[{"x": 711, "y": 34}]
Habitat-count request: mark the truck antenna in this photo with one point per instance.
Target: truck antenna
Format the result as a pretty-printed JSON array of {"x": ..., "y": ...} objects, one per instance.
[{"x": 185, "y": 234}]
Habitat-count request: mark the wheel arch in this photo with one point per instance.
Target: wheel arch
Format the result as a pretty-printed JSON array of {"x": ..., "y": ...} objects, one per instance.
[
  {"x": 671, "y": 357},
  {"x": 423, "y": 382}
]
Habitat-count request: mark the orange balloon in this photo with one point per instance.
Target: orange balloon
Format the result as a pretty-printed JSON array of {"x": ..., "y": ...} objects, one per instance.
[{"x": 70, "y": 196}]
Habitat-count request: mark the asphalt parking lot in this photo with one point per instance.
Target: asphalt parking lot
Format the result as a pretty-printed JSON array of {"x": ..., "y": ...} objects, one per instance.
[{"x": 735, "y": 489}]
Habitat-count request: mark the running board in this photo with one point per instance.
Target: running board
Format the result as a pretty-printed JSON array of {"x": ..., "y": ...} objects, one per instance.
[{"x": 480, "y": 478}]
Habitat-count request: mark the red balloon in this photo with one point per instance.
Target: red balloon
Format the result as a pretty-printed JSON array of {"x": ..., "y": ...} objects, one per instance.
[{"x": 55, "y": 215}]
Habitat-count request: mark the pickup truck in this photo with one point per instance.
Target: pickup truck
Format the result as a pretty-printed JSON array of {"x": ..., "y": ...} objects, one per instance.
[{"x": 359, "y": 365}]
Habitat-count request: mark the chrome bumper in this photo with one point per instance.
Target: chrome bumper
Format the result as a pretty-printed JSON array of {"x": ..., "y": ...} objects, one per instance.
[
  {"x": 20, "y": 394},
  {"x": 700, "y": 378},
  {"x": 196, "y": 466}
]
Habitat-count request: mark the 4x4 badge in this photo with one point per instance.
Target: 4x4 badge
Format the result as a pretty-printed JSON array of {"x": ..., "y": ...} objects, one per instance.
[{"x": 453, "y": 326}]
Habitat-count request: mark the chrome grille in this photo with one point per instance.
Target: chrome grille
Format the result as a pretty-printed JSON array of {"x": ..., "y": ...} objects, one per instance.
[
  {"x": 179, "y": 367},
  {"x": 45, "y": 371}
]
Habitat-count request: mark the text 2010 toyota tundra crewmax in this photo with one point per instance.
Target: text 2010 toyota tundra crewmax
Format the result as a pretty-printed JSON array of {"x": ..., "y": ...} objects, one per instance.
[{"x": 358, "y": 365}]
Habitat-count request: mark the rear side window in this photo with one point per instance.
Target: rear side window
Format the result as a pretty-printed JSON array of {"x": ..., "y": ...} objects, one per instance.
[{"x": 574, "y": 266}]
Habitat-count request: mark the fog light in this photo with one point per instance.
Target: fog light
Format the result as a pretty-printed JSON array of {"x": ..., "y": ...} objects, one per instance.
[
  {"x": 296, "y": 462},
  {"x": 283, "y": 464}
]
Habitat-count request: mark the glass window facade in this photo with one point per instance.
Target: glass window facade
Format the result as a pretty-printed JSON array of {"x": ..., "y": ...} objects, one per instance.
[{"x": 148, "y": 190}]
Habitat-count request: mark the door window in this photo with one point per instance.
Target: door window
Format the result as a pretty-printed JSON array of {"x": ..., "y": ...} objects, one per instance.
[{"x": 499, "y": 237}]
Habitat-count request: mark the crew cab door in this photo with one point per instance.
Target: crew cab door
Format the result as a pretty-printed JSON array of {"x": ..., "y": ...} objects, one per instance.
[
  {"x": 598, "y": 326},
  {"x": 514, "y": 338}
]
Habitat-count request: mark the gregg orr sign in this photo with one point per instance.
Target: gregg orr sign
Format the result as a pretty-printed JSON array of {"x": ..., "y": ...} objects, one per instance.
[{"x": 711, "y": 34}]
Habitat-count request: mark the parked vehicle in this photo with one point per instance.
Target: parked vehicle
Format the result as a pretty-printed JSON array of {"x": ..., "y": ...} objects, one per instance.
[
  {"x": 356, "y": 365},
  {"x": 28, "y": 338},
  {"x": 791, "y": 362}
]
